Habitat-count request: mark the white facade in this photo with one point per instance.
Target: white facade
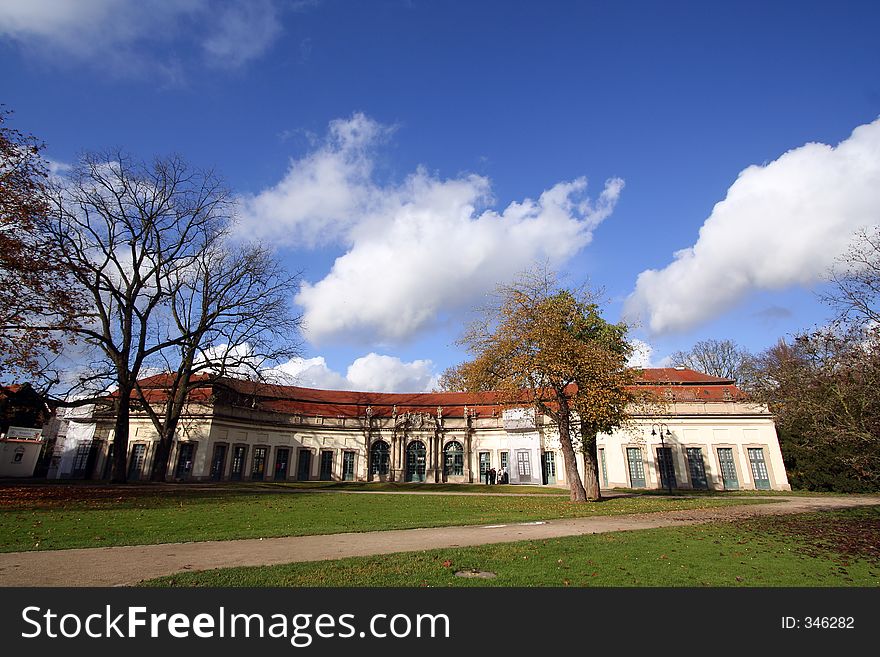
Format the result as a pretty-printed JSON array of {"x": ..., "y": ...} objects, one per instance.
[{"x": 717, "y": 445}]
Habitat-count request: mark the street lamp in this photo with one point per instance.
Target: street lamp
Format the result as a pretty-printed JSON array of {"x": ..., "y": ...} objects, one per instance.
[{"x": 668, "y": 464}]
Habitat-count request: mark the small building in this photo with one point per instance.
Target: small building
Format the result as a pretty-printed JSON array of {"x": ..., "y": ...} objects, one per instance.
[{"x": 703, "y": 433}]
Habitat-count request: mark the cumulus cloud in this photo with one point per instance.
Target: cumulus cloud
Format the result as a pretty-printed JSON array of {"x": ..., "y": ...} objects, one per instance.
[
  {"x": 126, "y": 37},
  {"x": 781, "y": 224},
  {"x": 416, "y": 249},
  {"x": 641, "y": 355},
  {"x": 370, "y": 373}
]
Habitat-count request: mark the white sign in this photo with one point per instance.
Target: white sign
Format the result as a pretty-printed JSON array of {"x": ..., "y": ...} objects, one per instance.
[{"x": 24, "y": 433}]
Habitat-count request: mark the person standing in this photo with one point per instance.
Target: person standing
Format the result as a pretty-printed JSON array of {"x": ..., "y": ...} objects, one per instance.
[{"x": 492, "y": 474}]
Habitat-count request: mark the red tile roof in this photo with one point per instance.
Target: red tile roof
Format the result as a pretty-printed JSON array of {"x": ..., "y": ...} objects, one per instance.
[{"x": 670, "y": 384}]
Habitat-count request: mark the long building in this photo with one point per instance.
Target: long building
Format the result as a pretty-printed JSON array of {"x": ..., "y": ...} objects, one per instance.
[{"x": 703, "y": 433}]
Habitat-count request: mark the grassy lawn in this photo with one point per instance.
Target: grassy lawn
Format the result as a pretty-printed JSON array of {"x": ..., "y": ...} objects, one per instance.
[
  {"x": 839, "y": 548},
  {"x": 394, "y": 486},
  {"x": 60, "y": 517}
]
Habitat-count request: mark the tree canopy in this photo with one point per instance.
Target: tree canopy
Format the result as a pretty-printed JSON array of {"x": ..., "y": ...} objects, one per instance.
[
  {"x": 548, "y": 347},
  {"x": 37, "y": 304}
]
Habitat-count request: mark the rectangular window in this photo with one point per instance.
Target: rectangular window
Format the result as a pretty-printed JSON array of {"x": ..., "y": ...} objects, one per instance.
[
  {"x": 239, "y": 452},
  {"x": 602, "y": 465},
  {"x": 258, "y": 467},
  {"x": 523, "y": 464},
  {"x": 218, "y": 462},
  {"x": 505, "y": 460}
]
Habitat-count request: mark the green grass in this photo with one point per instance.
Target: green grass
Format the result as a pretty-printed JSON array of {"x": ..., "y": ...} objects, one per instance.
[
  {"x": 105, "y": 516},
  {"x": 393, "y": 486},
  {"x": 822, "y": 549}
]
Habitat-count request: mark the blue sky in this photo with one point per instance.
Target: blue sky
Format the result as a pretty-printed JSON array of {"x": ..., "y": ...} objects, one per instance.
[{"x": 409, "y": 155}]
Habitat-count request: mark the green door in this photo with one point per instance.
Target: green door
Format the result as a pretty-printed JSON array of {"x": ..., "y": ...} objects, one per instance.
[
  {"x": 415, "y": 461},
  {"x": 759, "y": 468},
  {"x": 326, "y": 465},
  {"x": 304, "y": 468},
  {"x": 636, "y": 467},
  {"x": 728, "y": 468},
  {"x": 549, "y": 462},
  {"x": 604, "y": 470},
  {"x": 348, "y": 466},
  {"x": 697, "y": 468},
  {"x": 484, "y": 467},
  {"x": 258, "y": 464},
  {"x": 666, "y": 468}
]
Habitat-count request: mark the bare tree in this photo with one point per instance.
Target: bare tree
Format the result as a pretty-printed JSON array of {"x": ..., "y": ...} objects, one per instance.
[
  {"x": 147, "y": 245},
  {"x": 721, "y": 358},
  {"x": 855, "y": 281}
]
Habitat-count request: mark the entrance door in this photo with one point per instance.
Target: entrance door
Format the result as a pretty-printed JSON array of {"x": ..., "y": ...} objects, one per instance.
[
  {"x": 603, "y": 469},
  {"x": 697, "y": 468},
  {"x": 184, "y": 460},
  {"x": 524, "y": 465},
  {"x": 258, "y": 464},
  {"x": 759, "y": 468},
  {"x": 218, "y": 462},
  {"x": 84, "y": 460},
  {"x": 282, "y": 455},
  {"x": 238, "y": 454},
  {"x": 305, "y": 465},
  {"x": 548, "y": 461},
  {"x": 348, "y": 466},
  {"x": 636, "y": 467},
  {"x": 136, "y": 461},
  {"x": 326, "y": 465},
  {"x": 728, "y": 468},
  {"x": 415, "y": 461},
  {"x": 484, "y": 467},
  {"x": 666, "y": 467}
]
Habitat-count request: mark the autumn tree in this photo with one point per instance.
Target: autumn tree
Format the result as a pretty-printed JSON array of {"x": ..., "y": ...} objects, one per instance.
[
  {"x": 548, "y": 347},
  {"x": 37, "y": 305},
  {"x": 823, "y": 390},
  {"x": 147, "y": 244},
  {"x": 721, "y": 358}
]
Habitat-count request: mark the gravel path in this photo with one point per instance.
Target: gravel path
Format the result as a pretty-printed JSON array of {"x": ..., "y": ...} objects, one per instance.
[{"x": 122, "y": 566}]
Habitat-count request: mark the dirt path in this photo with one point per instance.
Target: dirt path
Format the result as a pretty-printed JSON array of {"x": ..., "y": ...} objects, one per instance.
[{"x": 121, "y": 566}]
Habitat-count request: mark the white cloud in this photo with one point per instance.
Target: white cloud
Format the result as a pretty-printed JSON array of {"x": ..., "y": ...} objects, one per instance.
[
  {"x": 641, "y": 355},
  {"x": 781, "y": 224},
  {"x": 127, "y": 38},
  {"x": 370, "y": 373},
  {"x": 414, "y": 250}
]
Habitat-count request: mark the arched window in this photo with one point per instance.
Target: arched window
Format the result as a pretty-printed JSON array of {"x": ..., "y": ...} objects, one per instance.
[
  {"x": 453, "y": 459},
  {"x": 379, "y": 458}
]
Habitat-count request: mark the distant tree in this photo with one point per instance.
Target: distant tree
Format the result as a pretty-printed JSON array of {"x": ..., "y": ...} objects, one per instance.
[
  {"x": 824, "y": 389},
  {"x": 549, "y": 348},
  {"x": 37, "y": 304},
  {"x": 148, "y": 245},
  {"x": 721, "y": 358}
]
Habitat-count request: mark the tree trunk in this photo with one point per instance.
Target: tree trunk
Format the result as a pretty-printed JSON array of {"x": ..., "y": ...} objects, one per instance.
[
  {"x": 120, "y": 440},
  {"x": 591, "y": 467},
  {"x": 578, "y": 494},
  {"x": 159, "y": 470}
]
